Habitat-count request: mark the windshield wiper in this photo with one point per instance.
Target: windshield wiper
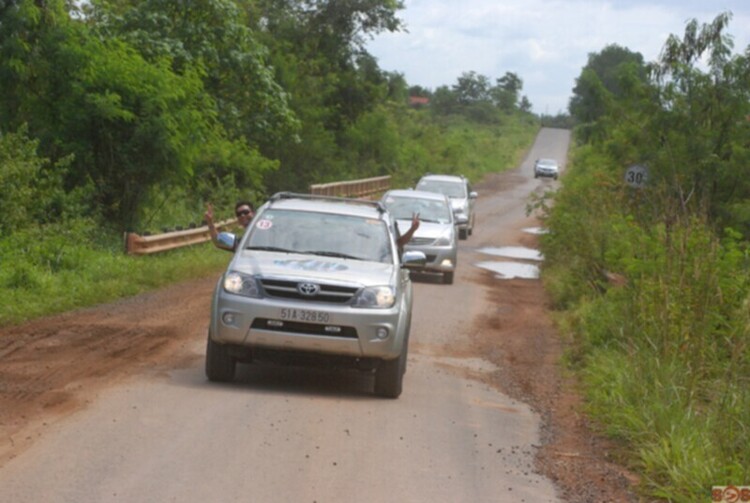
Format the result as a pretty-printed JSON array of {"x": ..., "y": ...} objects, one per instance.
[
  {"x": 271, "y": 249},
  {"x": 429, "y": 220},
  {"x": 333, "y": 254}
]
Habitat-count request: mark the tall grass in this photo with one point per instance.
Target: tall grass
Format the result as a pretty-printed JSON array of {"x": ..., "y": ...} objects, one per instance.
[
  {"x": 54, "y": 268},
  {"x": 666, "y": 358},
  {"x": 454, "y": 144}
]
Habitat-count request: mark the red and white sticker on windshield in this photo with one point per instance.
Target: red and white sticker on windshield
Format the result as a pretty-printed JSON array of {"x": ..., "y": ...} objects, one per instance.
[{"x": 264, "y": 224}]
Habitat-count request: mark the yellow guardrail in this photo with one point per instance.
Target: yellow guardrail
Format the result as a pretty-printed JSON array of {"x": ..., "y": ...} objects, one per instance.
[
  {"x": 145, "y": 245},
  {"x": 136, "y": 244},
  {"x": 353, "y": 188}
]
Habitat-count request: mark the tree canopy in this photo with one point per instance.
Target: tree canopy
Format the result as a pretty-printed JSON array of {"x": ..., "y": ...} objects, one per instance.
[
  {"x": 601, "y": 78},
  {"x": 135, "y": 105}
]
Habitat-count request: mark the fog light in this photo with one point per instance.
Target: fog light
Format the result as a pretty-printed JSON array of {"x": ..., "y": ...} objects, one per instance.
[
  {"x": 228, "y": 318},
  {"x": 382, "y": 333},
  {"x": 447, "y": 263}
]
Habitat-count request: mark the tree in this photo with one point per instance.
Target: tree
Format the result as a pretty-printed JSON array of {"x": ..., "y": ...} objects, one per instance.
[
  {"x": 419, "y": 91},
  {"x": 317, "y": 50},
  {"x": 128, "y": 123},
  {"x": 445, "y": 101},
  {"x": 215, "y": 37},
  {"x": 525, "y": 105},
  {"x": 472, "y": 88},
  {"x": 702, "y": 120},
  {"x": 505, "y": 94},
  {"x": 601, "y": 76},
  {"x": 687, "y": 122}
]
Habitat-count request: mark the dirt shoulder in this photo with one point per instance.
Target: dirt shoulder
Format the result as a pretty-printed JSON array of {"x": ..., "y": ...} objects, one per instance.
[
  {"x": 55, "y": 365},
  {"x": 520, "y": 338}
]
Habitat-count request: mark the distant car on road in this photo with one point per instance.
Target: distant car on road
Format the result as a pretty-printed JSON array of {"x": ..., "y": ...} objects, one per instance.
[
  {"x": 436, "y": 237},
  {"x": 459, "y": 192},
  {"x": 315, "y": 279},
  {"x": 547, "y": 168}
]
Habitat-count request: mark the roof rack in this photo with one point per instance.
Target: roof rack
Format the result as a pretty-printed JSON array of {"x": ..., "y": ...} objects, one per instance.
[
  {"x": 430, "y": 173},
  {"x": 315, "y": 197}
]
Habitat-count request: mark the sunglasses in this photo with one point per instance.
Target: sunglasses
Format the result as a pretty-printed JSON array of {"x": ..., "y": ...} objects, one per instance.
[{"x": 243, "y": 213}]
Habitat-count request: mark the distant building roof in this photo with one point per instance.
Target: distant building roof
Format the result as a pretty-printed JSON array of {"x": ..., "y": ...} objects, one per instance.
[{"x": 416, "y": 101}]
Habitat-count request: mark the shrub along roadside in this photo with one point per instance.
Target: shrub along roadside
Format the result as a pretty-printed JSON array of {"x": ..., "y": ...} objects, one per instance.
[
  {"x": 665, "y": 359},
  {"x": 52, "y": 269}
]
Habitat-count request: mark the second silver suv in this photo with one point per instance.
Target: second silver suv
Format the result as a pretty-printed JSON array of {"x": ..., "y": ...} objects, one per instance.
[
  {"x": 315, "y": 280},
  {"x": 462, "y": 198},
  {"x": 436, "y": 236}
]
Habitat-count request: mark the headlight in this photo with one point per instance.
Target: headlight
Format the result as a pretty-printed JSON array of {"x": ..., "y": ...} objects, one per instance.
[
  {"x": 241, "y": 284},
  {"x": 381, "y": 297},
  {"x": 445, "y": 240}
]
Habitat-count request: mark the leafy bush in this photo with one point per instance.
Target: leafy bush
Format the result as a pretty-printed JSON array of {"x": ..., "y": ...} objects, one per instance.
[{"x": 666, "y": 356}]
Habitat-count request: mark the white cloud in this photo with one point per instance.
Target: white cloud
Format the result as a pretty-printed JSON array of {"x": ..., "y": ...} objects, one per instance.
[{"x": 546, "y": 42}]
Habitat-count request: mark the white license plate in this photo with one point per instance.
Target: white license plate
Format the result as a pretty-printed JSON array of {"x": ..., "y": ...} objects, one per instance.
[{"x": 305, "y": 315}]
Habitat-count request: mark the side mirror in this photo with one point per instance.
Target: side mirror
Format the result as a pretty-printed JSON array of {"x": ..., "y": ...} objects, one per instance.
[
  {"x": 473, "y": 195},
  {"x": 227, "y": 241},
  {"x": 412, "y": 257}
]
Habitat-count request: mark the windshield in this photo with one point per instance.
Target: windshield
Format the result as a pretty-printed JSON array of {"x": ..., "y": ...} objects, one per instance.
[
  {"x": 450, "y": 189},
  {"x": 321, "y": 234},
  {"x": 402, "y": 208}
]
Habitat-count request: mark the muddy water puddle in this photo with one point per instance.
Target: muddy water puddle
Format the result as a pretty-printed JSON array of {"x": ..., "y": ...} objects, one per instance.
[
  {"x": 519, "y": 252},
  {"x": 511, "y": 270},
  {"x": 535, "y": 230}
]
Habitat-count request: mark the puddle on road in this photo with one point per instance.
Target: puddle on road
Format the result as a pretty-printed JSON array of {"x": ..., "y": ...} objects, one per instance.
[
  {"x": 535, "y": 230},
  {"x": 511, "y": 270},
  {"x": 514, "y": 252}
]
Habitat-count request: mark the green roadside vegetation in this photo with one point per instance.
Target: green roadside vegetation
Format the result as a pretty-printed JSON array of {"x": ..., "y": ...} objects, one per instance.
[
  {"x": 663, "y": 349},
  {"x": 121, "y": 116},
  {"x": 55, "y": 267}
]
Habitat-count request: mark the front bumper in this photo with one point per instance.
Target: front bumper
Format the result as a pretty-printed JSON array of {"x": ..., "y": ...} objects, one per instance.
[
  {"x": 439, "y": 258},
  {"x": 550, "y": 173},
  {"x": 347, "y": 331}
]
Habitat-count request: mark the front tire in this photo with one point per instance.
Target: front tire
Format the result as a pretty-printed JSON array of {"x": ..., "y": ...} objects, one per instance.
[
  {"x": 220, "y": 366},
  {"x": 463, "y": 233},
  {"x": 389, "y": 377},
  {"x": 448, "y": 278}
]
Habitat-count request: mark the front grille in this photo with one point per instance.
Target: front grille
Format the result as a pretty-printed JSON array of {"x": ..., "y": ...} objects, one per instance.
[
  {"x": 304, "y": 328},
  {"x": 421, "y": 241},
  {"x": 284, "y": 289}
]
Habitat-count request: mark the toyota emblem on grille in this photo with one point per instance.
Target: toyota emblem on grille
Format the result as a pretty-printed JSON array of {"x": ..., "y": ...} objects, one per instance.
[{"x": 308, "y": 289}]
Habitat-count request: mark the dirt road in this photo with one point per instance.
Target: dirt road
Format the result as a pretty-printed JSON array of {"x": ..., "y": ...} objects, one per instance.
[{"x": 111, "y": 404}]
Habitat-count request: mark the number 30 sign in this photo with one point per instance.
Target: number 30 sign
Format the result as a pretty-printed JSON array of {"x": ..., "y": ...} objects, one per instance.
[{"x": 637, "y": 176}]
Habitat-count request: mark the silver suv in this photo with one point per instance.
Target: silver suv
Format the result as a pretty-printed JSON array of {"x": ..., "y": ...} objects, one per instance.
[
  {"x": 546, "y": 167},
  {"x": 436, "y": 235},
  {"x": 315, "y": 279},
  {"x": 462, "y": 198}
]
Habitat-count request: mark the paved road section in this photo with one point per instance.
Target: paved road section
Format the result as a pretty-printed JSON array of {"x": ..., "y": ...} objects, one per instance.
[{"x": 281, "y": 434}]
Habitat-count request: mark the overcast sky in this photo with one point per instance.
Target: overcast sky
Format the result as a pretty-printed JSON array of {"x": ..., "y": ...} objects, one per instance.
[{"x": 545, "y": 42}]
